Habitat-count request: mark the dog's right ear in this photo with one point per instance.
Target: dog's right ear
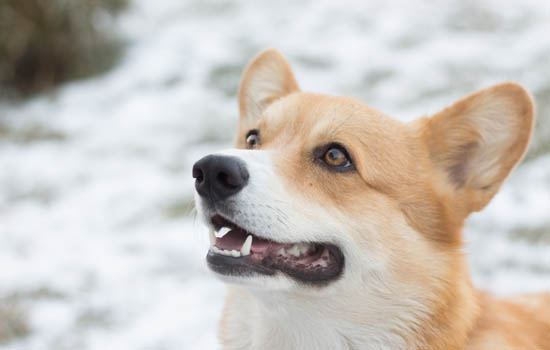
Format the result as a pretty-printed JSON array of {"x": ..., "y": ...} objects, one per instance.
[
  {"x": 266, "y": 78},
  {"x": 477, "y": 142}
]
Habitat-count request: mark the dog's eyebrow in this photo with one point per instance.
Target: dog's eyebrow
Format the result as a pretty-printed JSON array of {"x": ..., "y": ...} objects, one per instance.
[{"x": 336, "y": 127}]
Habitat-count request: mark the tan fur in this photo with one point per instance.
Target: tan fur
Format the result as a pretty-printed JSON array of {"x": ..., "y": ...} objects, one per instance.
[{"x": 415, "y": 185}]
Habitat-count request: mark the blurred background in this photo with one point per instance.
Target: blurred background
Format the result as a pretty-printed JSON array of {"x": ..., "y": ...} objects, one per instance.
[{"x": 105, "y": 105}]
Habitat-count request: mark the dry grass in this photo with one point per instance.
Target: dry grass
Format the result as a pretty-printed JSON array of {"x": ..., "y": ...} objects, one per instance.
[
  {"x": 30, "y": 133},
  {"x": 13, "y": 320},
  {"x": 540, "y": 144},
  {"x": 45, "y": 43}
]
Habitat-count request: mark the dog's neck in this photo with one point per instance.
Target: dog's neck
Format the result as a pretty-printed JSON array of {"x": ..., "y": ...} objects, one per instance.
[{"x": 353, "y": 320}]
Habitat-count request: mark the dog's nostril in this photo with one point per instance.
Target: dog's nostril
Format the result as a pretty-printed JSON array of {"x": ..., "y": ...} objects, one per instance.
[
  {"x": 226, "y": 180},
  {"x": 198, "y": 175}
]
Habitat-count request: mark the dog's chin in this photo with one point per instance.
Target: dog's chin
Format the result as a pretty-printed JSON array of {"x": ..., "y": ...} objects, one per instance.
[
  {"x": 259, "y": 282},
  {"x": 240, "y": 256}
]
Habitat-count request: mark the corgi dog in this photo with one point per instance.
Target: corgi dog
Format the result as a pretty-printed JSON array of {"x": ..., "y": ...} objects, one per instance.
[{"x": 338, "y": 227}]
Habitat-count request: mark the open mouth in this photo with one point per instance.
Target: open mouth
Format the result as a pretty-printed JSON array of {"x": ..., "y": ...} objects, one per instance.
[{"x": 235, "y": 251}]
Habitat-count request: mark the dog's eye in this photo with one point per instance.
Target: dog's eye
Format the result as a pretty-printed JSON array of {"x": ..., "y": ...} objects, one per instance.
[
  {"x": 337, "y": 157},
  {"x": 252, "y": 138}
]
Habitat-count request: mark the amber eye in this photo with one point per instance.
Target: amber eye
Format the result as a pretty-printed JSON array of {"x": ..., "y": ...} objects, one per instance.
[
  {"x": 336, "y": 158},
  {"x": 252, "y": 138}
]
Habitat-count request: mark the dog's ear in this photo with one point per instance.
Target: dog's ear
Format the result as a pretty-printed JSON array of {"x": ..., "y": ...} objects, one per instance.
[
  {"x": 477, "y": 141},
  {"x": 266, "y": 78}
]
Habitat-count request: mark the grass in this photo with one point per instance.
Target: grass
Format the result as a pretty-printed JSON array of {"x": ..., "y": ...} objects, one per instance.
[
  {"x": 178, "y": 208},
  {"x": 534, "y": 235},
  {"x": 13, "y": 320},
  {"x": 30, "y": 133},
  {"x": 540, "y": 144},
  {"x": 46, "y": 43},
  {"x": 90, "y": 318},
  {"x": 225, "y": 78}
]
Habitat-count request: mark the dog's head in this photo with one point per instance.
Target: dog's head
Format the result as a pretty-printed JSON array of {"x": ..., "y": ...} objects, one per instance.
[{"x": 325, "y": 191}]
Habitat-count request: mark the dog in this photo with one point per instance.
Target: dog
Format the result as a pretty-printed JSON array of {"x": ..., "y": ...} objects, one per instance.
[{"x": 338, "y": 227}]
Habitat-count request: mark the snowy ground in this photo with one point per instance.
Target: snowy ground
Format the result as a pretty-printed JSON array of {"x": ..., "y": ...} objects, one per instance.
[{"x": 99, "y": 249}]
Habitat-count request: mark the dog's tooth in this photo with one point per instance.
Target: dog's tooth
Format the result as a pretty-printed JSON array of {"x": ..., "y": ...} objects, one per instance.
[
  {"x": 303, "y": 247},
  {"x": 212, "y": 236},
  {"x": 235, "y": 253},
  {"x": 294, "y": 251},
  {"x": 281, "y": 251},
  {"x": 215, "y": 249},
  {"x": 225, "y": 252},
  {"x": 222, "y": 232},
  {"x": 245, "y": 249}
]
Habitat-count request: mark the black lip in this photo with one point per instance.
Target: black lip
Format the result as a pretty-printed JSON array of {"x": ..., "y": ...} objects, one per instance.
[
  {"x": 244, "y": 266},
  {"x": 241, "y": 266},
  {"x": 319, "y": 276}
]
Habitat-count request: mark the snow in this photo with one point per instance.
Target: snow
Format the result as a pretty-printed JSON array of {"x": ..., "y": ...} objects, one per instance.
[{"x": 99, "y": 245}]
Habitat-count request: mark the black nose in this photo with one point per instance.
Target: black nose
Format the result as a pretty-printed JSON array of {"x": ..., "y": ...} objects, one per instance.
[{"x": 218, "y": 177}]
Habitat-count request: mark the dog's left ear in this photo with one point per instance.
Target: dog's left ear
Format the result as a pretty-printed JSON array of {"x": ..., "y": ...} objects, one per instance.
[
  {"x": 266, "y": 78},
  {"x": 477, "y": 142}
]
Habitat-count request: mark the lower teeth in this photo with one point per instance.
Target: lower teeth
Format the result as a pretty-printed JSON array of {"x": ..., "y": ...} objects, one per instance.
[{"x": 233, "y": 253}]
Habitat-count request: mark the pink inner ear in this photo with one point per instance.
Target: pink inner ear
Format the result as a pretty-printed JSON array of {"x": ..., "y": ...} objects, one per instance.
[
  {"x": 458, "y": 172},
  {"x": 478, "y": 140}
]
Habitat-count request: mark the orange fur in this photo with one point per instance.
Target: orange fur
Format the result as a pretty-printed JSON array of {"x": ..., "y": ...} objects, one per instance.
[{"x": 423, "y": 177}]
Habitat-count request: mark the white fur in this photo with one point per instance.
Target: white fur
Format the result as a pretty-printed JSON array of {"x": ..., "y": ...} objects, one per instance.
[{"x": 362, "y": 310}]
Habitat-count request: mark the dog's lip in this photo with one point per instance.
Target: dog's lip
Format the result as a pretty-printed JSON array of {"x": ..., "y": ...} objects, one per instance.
[
  {"x": 229, "y": 254},
  {"x": 218, "y": 221}
]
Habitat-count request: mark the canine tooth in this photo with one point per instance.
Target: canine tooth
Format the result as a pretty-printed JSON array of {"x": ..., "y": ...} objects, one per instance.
[
  {"x": 294, "y": 251},
  {"x": 215, "y": 249},
  {"x": 212, "y": 237},
  {"x": 222, "y": 232},
  {"x": 245, "y": 249},
  {"x": 235, "y": 253},
  {"x": 281, "y": 251}
]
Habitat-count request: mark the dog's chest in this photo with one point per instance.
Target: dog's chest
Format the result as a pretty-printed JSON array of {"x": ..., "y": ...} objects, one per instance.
[{"x": 247, "y": 325}]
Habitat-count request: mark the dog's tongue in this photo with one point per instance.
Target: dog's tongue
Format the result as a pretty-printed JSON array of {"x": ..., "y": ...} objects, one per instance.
[
  {"x": 260, "y": 245},
  {"x": 235, "y": 238}
]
